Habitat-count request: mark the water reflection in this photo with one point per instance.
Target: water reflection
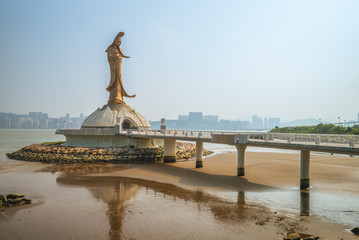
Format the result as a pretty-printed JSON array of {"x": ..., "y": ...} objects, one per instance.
[
  {"x": 120, "y": 194},
  {"x": 304, "y": 203}
]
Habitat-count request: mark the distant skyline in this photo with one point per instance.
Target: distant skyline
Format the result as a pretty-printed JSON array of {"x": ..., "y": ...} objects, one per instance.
[
  {"x": 254, "y": 118},
  {"x": 234, "y": 59}
]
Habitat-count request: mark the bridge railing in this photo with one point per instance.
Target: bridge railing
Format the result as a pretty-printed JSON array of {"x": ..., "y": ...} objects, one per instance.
[
  {"x": 350, "y": 141},
  {"x": 332, "y": 140},
  {"x": 200, "y": 133},
  {"x": 180, "y": 133},
  {"x": 189, "y": 133}
]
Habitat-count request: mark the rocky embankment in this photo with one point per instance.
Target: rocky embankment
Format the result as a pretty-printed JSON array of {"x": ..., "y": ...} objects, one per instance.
[
  {"x": 55, "y": 153},
  {"x": 13, "y": 200}
]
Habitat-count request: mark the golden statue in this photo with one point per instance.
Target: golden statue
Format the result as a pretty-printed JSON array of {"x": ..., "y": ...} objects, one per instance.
[{"x": 114, "y": 56}]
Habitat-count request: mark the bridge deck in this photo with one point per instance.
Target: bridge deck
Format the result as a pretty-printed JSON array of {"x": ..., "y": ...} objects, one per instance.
[
  {"x": 340, "y": 144},
  {"x": 305, "y": 143}
]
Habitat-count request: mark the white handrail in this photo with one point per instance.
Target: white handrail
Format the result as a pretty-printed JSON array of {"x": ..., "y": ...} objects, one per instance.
[{"x": 330, "y": 140}]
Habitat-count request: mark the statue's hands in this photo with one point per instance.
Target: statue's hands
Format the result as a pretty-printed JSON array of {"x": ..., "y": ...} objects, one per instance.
[{"x": 126, "y": 56}]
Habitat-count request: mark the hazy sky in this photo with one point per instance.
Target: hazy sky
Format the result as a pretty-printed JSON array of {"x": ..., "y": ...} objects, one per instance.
[{"x": 291, "y": 59}]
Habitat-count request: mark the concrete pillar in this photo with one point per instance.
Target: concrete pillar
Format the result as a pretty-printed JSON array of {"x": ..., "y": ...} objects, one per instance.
[
  {"x": 241, "y": 148},
  {"x": 169, "y": 150},
  {"x": 304, "y": 168},
  {"x": 199, "y": 154}
]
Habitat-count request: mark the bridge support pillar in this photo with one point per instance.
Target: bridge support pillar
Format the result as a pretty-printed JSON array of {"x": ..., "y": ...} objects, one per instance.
[
  {"x": 304, "y": 169},
  {"x": 169, "y": 150},
  {"x": 199, "y": 154},
  {"x": 241, "y": 148}
]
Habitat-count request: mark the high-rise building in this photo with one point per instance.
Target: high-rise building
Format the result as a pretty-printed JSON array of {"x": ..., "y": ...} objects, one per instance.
[
  {"x": 257, "y": 122},
  {"x": 183, "y": 117},
  {"x": 44, "y": 123},
  {"x": 195, "y": 116},
  {"x": 82, "y": 117},
  {"x": 38, "y": 120},
  {"x": 273, "y": 122},
  {"x": 211, "y": 118},
  {"x": 5, "y": 122},
  {"x": 35, "y": 115},
  {"x": 265, "y": 123}
]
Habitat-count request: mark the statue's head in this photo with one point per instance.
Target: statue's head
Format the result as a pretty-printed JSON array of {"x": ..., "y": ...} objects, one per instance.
[{"x": 118, "y": 38}]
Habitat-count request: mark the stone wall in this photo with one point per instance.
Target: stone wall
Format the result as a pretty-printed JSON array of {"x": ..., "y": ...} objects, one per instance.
[{"x": 55, "y": 153}]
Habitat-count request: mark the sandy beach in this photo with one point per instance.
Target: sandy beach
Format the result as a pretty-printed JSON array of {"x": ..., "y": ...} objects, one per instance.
[
  {"x": 263, "y": 171},
  {"x": 120, "y": 198}
]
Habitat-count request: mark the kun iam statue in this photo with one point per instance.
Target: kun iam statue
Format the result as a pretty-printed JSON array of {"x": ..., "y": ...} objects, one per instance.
[
  {"x": 103, "y": 127},
  {"x": 116, "y": 111},
  {"x": 114, "y": 56}
]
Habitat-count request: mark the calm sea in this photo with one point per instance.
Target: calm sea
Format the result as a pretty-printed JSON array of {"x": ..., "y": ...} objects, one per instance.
[{"x": 14, "y": 139}]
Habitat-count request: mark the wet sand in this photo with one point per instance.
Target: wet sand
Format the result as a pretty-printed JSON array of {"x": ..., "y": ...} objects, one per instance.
[
  {"x": 263, "y": 171},
  {"x": 177, "y": 201},
  {"x": 268, "y": 173}
]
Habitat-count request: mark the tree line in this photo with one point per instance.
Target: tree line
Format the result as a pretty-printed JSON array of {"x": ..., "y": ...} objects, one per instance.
[{"x": 320, "y": 128}]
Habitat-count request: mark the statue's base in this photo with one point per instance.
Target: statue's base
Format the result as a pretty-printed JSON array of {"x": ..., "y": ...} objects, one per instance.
[
  {"x": 111, "y": 115},
  {"x": 104, "y": 137},
  {"x": 98, "y": 129}
]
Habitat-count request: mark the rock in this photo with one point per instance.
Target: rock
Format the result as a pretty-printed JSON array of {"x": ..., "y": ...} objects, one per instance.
[
  {"x": 26, "y": 201},
  {"x": 15, "y": 202},
  {"x": 14, "y": 196},
  {"x": 300, "y": 236},
  {"x": 355, "y": 230},
  {"x": 292, "y": 236},
  {"x": 310, "y": 237},
  {"x": 2, "y": 198},
  {"x": 48, "y": 153}
]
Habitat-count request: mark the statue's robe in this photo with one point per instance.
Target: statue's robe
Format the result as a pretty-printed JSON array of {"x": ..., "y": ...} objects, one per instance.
[{"x": 116, "y": 89}]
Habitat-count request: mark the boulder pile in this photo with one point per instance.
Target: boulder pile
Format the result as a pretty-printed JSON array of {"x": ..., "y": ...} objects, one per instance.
[{"x": 55, "y": 153}]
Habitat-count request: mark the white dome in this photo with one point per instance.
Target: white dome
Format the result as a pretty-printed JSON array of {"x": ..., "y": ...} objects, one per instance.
[{"x": 114, "y": 114}]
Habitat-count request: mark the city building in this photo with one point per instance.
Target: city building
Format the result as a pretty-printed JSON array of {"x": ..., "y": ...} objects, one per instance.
[
  {"x": 36, "y": 120},
  {"x": 257, "y": 122},
  {"x": 211, "y": 118}
]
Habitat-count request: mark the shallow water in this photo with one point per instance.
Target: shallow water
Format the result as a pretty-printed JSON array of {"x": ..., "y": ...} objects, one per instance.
[
  {"x": 335, "y": 206},
  {"x": 14, "y": 139},
  {"x": 66, "y": 205}
]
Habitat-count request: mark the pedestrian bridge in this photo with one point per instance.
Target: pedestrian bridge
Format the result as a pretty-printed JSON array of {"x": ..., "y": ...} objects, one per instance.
[{"x": 305, "y": 143}]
